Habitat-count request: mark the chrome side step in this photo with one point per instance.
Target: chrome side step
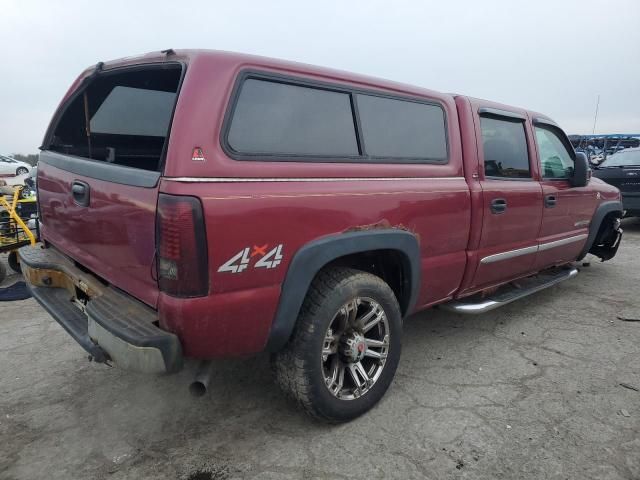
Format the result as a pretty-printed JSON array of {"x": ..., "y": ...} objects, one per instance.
[{"x": 512, "y": 292}]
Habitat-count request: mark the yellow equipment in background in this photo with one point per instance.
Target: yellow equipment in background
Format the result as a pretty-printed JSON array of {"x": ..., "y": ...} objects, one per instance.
[{"x": 18, "y": 221}]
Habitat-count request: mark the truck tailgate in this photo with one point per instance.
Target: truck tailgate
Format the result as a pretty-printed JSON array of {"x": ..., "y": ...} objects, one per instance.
[{"x": 113, "y": 236}]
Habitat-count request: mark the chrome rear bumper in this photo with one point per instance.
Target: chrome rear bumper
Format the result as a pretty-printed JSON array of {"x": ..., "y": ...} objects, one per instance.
[{"x": 107, "y": 323}]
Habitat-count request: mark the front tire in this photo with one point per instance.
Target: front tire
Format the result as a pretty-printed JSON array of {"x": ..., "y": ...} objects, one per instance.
[
  {"x": 345, "y": 348},
  {"x": 21, "y": 171}
]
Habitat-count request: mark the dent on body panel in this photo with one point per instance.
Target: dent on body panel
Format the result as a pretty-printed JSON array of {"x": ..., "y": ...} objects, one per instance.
[{"x": 382, "y": 224}]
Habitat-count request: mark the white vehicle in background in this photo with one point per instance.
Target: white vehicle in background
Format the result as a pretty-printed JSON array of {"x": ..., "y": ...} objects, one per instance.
[{"x": 11, "y": 166}]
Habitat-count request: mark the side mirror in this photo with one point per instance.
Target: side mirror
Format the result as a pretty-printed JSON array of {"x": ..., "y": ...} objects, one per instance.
[{"x": 581, "y": 171}]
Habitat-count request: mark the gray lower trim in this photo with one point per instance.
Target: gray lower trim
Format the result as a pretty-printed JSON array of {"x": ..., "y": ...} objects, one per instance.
[
  {"x": 300, "y": 179},
  {"x": 510, "y": 254},
  {"x": 533, "y": 249},
  {"x": 563, "y": 241}
]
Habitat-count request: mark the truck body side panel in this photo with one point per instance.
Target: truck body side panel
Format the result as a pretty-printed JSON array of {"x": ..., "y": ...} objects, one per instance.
[{"x": 260, "y": 216}]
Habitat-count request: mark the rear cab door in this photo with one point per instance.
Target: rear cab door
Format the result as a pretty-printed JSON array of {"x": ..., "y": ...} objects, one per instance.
[
  {"x": 511, "y": 195},
  {"x": 567, "y": 210}
]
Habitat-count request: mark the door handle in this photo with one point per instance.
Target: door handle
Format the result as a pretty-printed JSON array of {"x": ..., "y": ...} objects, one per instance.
[
  {"x": 80, "y": 192},
  {"x": 550, "y": 201},
  {"x": 498, "y": 205}
]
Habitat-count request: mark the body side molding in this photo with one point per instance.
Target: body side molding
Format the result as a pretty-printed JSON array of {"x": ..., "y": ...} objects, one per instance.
[{"x": 496, "y": 257}]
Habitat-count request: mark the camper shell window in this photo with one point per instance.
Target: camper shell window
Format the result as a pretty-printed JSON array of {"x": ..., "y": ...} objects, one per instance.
[{"x": 121, "y": 117}]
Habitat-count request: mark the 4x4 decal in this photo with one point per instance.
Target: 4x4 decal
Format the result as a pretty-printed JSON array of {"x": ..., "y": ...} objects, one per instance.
[{"x": 241, "y": 260}]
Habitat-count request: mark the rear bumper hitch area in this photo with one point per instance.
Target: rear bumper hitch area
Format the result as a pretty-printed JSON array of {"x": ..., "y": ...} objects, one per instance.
[
  {"x": 108, "y": 324},
  {"x": 511, "y": 292}
]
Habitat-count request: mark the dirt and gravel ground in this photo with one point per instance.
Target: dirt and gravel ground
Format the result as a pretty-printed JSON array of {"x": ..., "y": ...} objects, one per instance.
[{"x": 529, "y": 391}]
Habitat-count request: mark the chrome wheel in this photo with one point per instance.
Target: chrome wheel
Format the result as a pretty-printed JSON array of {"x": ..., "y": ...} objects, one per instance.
[
  {"x": 21, "y": 171},
  {"x": 355, "y": 348}
]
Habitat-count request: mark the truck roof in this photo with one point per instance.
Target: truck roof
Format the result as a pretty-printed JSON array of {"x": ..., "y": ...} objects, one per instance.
[
  {"x": 240, "y": 60},
  {"x": 237, "y": 61}
]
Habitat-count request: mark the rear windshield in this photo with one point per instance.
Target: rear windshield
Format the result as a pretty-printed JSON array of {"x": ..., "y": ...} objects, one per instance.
[{"x": 121, "y": 118}]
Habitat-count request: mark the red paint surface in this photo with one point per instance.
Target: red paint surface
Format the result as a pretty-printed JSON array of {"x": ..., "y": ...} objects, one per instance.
[
  {"x": 114, "y": 237},
  {"x": 446, "y": 206}
]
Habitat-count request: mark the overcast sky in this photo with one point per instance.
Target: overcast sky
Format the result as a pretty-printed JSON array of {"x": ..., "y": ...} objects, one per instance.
[{"x": 553, "y": 56}]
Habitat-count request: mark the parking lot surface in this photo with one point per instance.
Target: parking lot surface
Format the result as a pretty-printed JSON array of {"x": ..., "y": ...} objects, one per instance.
[{"x": 542, "y": 388}]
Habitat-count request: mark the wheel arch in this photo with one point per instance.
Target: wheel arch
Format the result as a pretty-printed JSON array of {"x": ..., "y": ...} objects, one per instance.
[
  {"x": 316, "y": 255},
  {"x": 602, "y": 211}
]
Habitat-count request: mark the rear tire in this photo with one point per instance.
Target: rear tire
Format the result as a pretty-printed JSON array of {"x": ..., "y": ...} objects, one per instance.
[
  {"x": 13, "y": 262},
  {"x": 21, "y": 171},
  {"x": 345, "y": 347}
]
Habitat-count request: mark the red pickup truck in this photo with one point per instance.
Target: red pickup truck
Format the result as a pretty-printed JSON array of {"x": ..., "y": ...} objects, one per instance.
[{"x": 205, "y": 204}]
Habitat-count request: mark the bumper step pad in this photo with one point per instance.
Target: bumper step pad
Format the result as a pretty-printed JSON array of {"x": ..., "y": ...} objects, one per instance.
[{"x": 57, "y": 301}]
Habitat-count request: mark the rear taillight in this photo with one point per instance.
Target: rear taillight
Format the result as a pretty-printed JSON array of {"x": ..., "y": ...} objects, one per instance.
[{"x": 182, "y": 260}]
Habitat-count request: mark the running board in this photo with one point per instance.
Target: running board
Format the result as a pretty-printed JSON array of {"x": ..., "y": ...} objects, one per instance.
[{"x": 514, "y": 291}]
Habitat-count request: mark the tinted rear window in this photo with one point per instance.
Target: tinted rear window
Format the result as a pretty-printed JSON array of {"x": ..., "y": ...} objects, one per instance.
[
  {"x": 505, "y": 148},
  {"x": 402, "y": 129},
  {"x": 278, "y": 118}
]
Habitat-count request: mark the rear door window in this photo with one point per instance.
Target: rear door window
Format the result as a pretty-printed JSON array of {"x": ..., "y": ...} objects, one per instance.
[
  {"x": 505, "y": 148},
  {"x": 274, "y": 118},
  {"x": 394, "y": 128}
]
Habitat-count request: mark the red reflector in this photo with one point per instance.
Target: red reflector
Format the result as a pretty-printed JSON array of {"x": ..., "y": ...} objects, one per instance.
[
  {"x": 197, "y": 155},
  {"x": 182, "y": 262}
]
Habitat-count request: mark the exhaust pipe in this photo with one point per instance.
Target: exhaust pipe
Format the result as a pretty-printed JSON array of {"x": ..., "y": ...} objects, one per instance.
[{"x": 200, "y": 383}]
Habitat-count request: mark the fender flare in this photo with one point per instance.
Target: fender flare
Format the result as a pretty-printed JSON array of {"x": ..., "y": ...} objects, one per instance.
[
  {"x": 313, "y": 256},
  {"x": 602, "y": 211}
]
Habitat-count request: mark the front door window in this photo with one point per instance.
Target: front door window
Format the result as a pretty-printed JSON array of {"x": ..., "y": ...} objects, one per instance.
[{"x": 555, "y": 159}]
